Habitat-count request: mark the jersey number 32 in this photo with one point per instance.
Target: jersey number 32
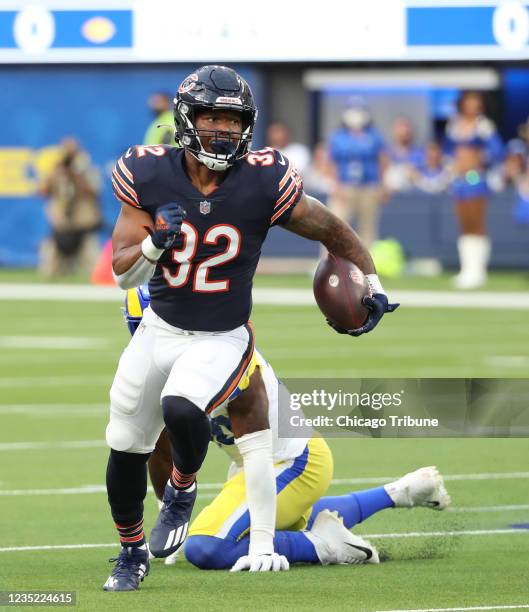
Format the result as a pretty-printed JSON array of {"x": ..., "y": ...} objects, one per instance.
[{"x": 184, "y": 257}]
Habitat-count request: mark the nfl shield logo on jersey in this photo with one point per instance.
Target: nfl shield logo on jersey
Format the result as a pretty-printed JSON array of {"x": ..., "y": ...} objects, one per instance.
[{"x": 205, "y": 207}]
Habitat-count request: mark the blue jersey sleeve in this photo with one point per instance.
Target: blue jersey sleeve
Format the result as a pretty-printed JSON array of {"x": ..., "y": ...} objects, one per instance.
[{"x": 123, "y": 183}]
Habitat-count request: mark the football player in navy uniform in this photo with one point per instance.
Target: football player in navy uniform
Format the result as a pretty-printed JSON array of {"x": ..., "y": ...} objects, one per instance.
[{"x": 192, "y": 224}]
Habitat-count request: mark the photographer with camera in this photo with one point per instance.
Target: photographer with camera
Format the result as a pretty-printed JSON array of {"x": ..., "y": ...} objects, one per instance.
[{"x": 73, "y": 212}]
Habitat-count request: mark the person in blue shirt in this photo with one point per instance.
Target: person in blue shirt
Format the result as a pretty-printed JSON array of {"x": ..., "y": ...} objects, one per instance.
[
  {"x": 433, "y": 175},
  {"x": 357, "y": 150},
  {"x": 517, "y": 173},
  {"x": 404, "y": 156},
  {"x": 476, "y": 148}
]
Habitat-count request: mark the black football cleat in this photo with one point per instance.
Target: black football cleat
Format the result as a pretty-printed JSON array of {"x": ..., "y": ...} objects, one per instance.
[
  {"x": 132, "y": 565},
  {"x": 171, "y": 527}
]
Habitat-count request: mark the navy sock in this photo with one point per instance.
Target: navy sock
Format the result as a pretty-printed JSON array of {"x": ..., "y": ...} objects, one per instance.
[{"x": 354, "y": 507}]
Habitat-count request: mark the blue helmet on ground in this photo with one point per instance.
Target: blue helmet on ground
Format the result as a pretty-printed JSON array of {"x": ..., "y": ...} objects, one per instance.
[{"x": 136, "y": 301}]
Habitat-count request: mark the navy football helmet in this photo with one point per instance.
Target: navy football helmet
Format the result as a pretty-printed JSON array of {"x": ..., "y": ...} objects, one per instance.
[{"x": 214, "y": 87}]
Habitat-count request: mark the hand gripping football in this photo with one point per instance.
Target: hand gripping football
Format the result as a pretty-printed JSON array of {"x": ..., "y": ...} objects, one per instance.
[{"x": 339, "y": 287}]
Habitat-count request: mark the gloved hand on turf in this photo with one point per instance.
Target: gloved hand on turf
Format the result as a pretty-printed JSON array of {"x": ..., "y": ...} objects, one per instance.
[
  {"x": 261, "y": 563},
  {"x": 167, "y": 225},
  {"x": 378, "y": 305}
]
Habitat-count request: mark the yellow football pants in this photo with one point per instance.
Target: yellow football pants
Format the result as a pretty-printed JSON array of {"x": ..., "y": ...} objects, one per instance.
[{"x": 299, "y": 483}]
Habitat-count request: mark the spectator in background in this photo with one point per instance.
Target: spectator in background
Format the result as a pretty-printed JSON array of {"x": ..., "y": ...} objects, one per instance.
[
  {"x": 404, "y": 156},
  {"x": 475, "y": 147},
  {"x": 517, "y": 154},
  {"x": 517, "y": 172},
  {"x": 358, "y": 152},
  {"x": 278, "y": 137},
  {"x": 73, "y": 212},
  {"x": 319, "y": 179},
  {"x": 433, "y": 175},
  {"x": 161, "y": 106}
]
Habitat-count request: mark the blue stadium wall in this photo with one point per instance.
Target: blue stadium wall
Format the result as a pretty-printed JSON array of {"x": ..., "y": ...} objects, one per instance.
[{"x": 105, "y": 107}]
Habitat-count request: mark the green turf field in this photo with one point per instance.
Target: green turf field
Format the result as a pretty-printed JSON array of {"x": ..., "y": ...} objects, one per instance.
[
  {"x": 56, "y": 365},
  {"x": 503, "y": 280}
]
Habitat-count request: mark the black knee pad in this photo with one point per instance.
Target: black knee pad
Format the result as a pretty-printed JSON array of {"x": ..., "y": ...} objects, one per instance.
[
  {"x": 189, "y": 431},
  {"x": 179, "y": 412}
]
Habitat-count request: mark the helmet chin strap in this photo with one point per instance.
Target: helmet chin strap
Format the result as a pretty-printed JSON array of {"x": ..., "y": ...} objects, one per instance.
[{"x": 218, "y": 165}]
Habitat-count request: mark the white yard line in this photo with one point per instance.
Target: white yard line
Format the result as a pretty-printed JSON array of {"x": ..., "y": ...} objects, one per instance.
[
  {"x": 506, "y": 508},
  {"x": 56, "y": 547},
  {"x": 448, "y": 477},
  {"x": 53, "y": 342},
  {"x": 378, "y": 535},
  {"x": 277, "y": 296},
  {"x": 408, "y": 299},
  {"x": 508, "y": 361},
  {"x": 440, "y": 534},
  {"x": 88, "y": 490},
  {"x": 215, "y": 486},
  {"x": 53, "y": 381},
  {"x": 71, "y": 410},
  {"x": 11, "y": 446},
  {"x": 515, "y": 607},
  {"x": 68, "y": 293}
]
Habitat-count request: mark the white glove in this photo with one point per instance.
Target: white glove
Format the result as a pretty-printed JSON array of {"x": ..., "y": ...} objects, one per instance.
[{"x": 262, "y": 563}]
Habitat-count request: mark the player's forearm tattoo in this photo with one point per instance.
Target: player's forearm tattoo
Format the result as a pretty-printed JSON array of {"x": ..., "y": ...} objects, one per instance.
[{"x": 319, "y": 223}]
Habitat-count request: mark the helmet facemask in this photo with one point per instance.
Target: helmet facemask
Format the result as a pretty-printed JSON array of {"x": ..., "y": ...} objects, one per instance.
[{"x": 225, "y": 149}]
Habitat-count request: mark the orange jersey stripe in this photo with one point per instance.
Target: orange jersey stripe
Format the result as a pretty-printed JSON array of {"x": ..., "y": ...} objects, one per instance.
[
  {"x": 286, "y": 194},
  {"x": 125, "y": 170},
  {"x": 284, "y": 180},
  {"x": 285, "y": 207},
  {"x": 121, "y": 196},
  {"x": 237, "y": 379},
  {"x": 126, "y": 187}
]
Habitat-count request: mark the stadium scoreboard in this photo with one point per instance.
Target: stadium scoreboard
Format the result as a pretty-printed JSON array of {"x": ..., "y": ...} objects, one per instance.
[{"x": 91, "y": 31}]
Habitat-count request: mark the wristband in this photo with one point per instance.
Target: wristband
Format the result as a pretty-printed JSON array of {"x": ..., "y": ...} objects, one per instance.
[
  {"x": 151, "y": 252},
  {"x": 374, "y": 283}
]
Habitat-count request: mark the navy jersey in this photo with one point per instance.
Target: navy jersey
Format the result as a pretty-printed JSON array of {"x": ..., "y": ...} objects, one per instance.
[{"x": 206, "y": 283}]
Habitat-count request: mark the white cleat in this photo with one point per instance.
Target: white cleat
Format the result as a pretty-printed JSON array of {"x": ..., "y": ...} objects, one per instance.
[
  {"x": 171, "y": 559},
  {"x": 424, "y": 487},
  {"x": 336, "y": 545}
]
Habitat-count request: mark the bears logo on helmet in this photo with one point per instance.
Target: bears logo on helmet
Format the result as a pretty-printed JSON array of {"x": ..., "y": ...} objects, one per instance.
[{"x": 188, "y": 83}]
